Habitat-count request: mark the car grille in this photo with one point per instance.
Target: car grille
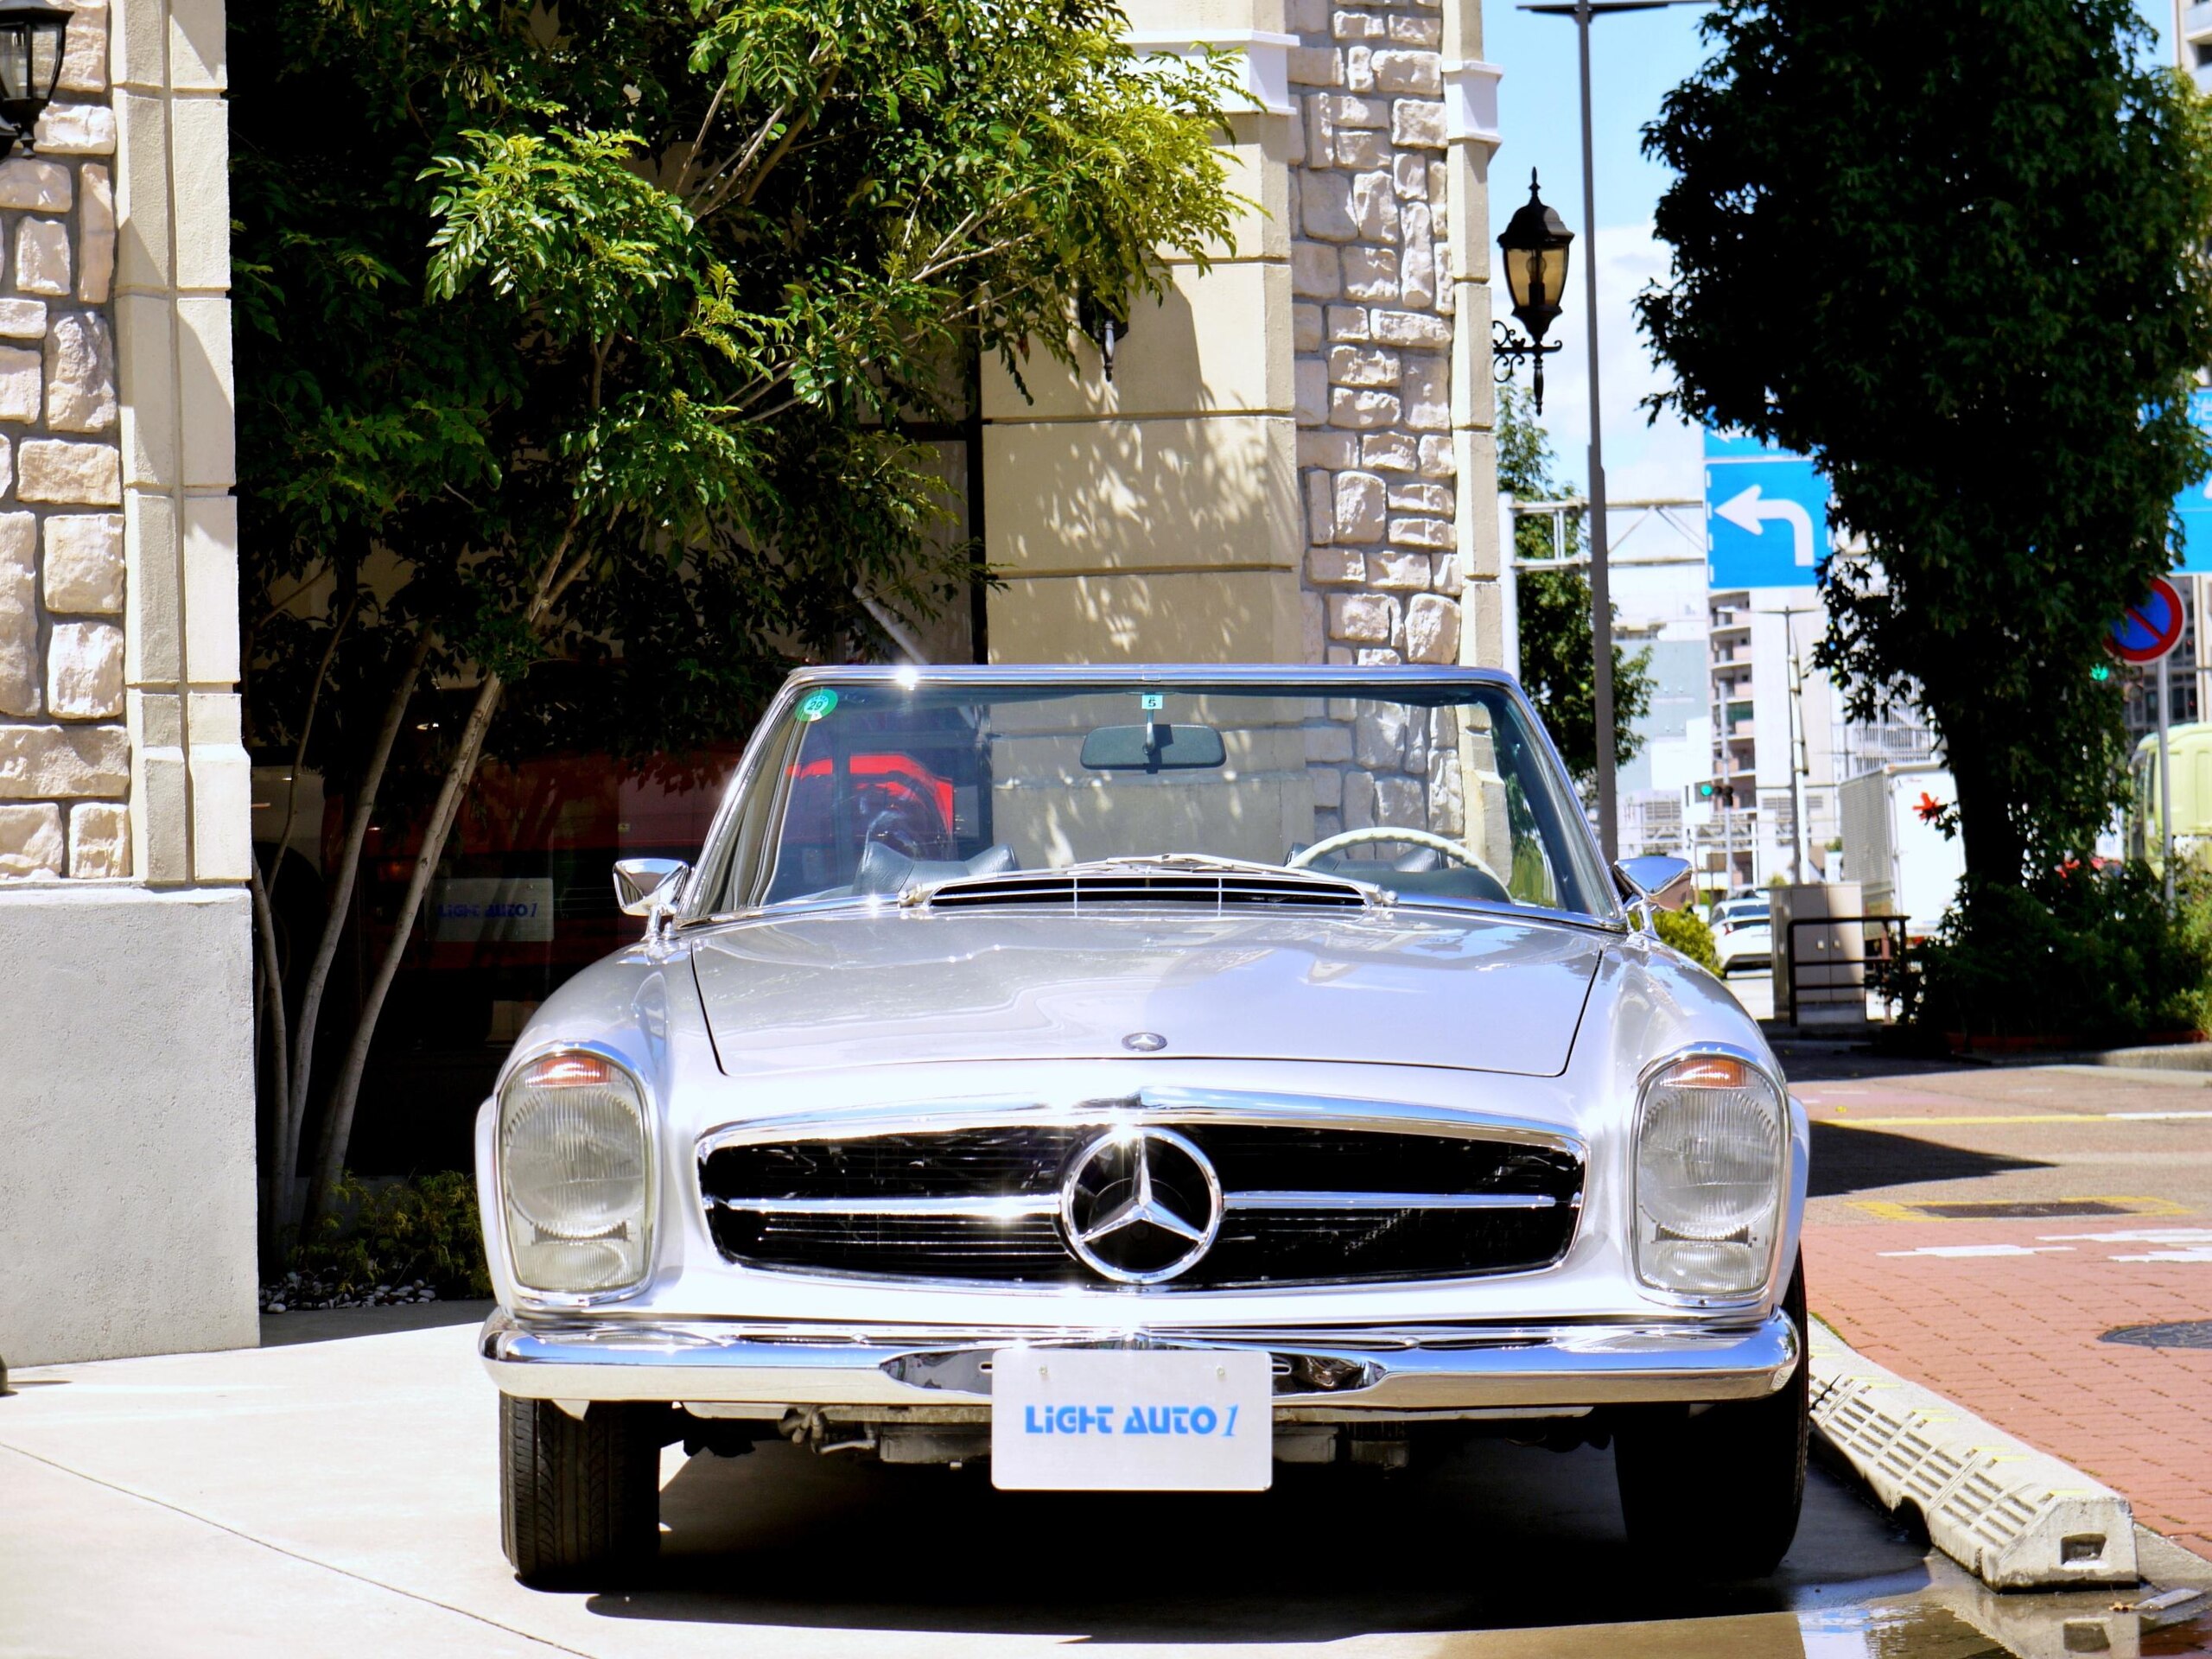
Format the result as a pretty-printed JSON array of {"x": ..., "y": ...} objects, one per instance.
[{"x": 1303, "y": 1204}]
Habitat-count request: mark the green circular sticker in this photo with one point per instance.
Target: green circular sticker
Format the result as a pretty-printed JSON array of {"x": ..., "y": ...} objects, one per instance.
[{"x": 815, "y": 704}]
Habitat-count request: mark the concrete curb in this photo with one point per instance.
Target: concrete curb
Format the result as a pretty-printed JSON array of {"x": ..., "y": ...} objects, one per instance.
[{"x": 2015, "y": 1517}]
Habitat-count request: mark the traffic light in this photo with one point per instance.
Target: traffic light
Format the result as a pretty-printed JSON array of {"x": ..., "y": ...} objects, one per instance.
[{"x": 1707, "y": 789}]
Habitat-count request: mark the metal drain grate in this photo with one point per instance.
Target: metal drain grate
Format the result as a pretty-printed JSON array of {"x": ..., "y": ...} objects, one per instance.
[
  {"x": 2023, "y": 1208},
  {"x": 2181, "y": 1333}
]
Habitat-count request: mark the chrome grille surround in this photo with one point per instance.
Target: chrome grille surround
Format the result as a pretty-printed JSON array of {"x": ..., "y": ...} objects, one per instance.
[{"x": 968, "y": 1193}]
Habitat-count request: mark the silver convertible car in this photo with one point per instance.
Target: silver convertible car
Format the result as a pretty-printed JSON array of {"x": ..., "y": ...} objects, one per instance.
[{"x": 1143, "y": 1078}]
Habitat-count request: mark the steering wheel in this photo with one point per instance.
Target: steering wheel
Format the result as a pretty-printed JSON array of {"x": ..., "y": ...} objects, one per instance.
[{"x": 1343, "y": 838}]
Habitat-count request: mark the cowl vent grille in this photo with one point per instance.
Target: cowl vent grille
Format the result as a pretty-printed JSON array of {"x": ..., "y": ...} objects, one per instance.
[{"x": 1216, "y": 892}]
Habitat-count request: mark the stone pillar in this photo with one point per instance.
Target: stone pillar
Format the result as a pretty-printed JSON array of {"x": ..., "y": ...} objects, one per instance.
[
  {"x": 127, "y": 1192},
  {"x": 1471, "y": 129},
  {"x": 65, "y": 770},
  {"x": 190, "y": 783},
  {"x": 1372, "y": 210}
]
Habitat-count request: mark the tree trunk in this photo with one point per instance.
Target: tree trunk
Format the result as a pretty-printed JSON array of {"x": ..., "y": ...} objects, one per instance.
[
  {"x": 1994, "y": 852},
  {"x": 293, "y": 1119},
  {"x": 272, "y": 1010},
  {"x": 338, "y": 1117}
]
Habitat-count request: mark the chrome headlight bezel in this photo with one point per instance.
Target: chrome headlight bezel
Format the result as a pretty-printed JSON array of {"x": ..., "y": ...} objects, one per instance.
[
  {"x": 1775, "y": 1215},
  {"x": 513, "y": 1217}
]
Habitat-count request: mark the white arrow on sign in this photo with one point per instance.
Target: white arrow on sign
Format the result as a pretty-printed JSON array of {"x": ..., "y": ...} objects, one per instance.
[{"x": 1750, "y": 513}]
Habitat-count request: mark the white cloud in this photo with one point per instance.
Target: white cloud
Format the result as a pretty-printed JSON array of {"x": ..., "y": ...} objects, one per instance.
[{"x": 1643, "y": 461}]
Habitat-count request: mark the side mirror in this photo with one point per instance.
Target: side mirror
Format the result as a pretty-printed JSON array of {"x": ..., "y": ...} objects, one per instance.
[
  {"x": 1657, "y": 881},
  {"x": 646, "y": 886}
]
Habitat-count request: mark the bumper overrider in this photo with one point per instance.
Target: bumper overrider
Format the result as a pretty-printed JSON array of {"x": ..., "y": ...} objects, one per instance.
[{"x": 1448, "y": 1370}]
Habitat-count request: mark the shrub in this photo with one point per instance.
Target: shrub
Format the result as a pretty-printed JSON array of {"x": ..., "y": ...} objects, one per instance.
[
  {"x": 1688, "y": 934},
  {"x": 423, "y": 1227},
  {"x": 2092, "y": 954}
]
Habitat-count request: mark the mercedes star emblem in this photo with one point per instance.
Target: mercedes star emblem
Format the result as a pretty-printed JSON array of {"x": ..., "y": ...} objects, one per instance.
[
  {"x": 1140, "y": 1206},
  {"x": 1144, "y": 1042}
]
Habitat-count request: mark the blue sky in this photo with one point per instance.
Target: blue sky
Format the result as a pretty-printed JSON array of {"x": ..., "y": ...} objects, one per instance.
[{"x": 1635, "y": 58}]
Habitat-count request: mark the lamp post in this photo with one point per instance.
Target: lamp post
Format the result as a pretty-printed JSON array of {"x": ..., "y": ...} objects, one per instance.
[
  {"x": 1601, "y": 584},
  {"x": 1535, "y": 243},
  {"x": 31, "y": 37}
]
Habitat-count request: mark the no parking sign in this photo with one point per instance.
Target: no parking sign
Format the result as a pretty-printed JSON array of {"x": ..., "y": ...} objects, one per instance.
[{"x": 2148, "y": 631}]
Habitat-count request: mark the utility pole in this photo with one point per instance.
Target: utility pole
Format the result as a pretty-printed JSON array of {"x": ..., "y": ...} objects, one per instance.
[
  {"x": 1801, "y": 757},
  {"x": 1601, "y": 587}
]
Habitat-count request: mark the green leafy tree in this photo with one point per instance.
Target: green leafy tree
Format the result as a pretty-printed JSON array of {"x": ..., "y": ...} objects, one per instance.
[
  {"x": 1688, "y": 933},
  {"x": 568, "y": 326},
  {"x": 1558, "y": 653},
  {"x": 1953, "y": 251}
]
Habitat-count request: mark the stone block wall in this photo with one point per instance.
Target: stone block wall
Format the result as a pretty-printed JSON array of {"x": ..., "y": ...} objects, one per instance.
[
  {"x": 119, "y": 753},
  {"x": 1372, "y": 325},
  {"x": 65, "y": 773}
]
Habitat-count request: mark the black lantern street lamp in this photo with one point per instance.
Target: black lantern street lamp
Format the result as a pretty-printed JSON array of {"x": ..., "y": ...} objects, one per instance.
[
  {"x": 1535, "y": 243},
  {"x": 31, "y": 36}
]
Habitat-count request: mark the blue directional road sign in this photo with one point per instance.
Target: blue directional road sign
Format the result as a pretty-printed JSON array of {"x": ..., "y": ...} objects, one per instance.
[
  {"x": 1766, "y": 515},
  {"x": 2194, "y": 555}
]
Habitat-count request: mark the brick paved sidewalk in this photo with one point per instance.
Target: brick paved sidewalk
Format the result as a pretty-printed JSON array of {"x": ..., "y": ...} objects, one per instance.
[{"x": 2014, "y": 1335}]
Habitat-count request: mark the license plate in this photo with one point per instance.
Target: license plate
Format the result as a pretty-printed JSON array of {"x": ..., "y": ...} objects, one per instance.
[{"x": 1131, "y": 1420}]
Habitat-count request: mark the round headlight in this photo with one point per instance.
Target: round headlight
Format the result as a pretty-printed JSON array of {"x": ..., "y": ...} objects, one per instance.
[
  {"x": 575, "y": 1171},
  {"x": 1711, "y": 1155}
]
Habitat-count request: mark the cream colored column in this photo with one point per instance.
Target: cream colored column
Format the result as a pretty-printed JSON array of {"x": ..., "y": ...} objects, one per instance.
[
  {"x": 1471, "y": 129},
  {"x": 1154, "y": 517},
  {"x": 190, "y": 783}
]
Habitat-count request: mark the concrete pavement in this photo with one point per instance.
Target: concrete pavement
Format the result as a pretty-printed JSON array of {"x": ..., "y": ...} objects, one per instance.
[{"x": 337, "y": 1497}]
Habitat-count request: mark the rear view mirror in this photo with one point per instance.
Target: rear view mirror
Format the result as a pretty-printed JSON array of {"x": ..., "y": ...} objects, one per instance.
[
  {"x": 643, "y": 886},
  {"x": 1154, "y": 746},
  {"x": 1658, "y": 880}
]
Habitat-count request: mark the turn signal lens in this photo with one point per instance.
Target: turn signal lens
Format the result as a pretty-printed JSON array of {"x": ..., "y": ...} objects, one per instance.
[
  {"x": 575, "y": 1171},
  {"x": 1711, "y": 1157}
]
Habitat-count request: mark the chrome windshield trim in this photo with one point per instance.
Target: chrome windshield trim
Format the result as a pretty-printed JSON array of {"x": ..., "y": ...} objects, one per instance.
[
  {"x": 1335, "y": 1201},
  {"x": 1327, "y": 679},
  {"x": 975, "y": 1209},
  {"x": 1166, "y": 1106}
]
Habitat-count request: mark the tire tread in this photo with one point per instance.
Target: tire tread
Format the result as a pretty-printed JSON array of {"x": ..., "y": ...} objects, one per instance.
[
  {"x": 579, "y": 1500},
  {"x": 1718, "y": 1496}
]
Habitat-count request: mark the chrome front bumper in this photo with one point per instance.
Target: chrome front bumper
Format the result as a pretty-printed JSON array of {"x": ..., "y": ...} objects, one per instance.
[{"x": 1441, "y": 1369}]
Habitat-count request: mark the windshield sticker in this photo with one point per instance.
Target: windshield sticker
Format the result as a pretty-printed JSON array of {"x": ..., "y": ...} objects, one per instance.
[
  {"x": 1151, "y": 700},
  {"x": 815, "y": 704}
]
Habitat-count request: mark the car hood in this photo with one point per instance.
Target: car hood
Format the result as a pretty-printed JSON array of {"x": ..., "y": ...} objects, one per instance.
[{"x": 1476, "y": 992}]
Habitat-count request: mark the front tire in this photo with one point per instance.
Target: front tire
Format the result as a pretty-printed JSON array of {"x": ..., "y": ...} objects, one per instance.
[
  {"x": 580, "y": 1501},
  {"x": 1716, "y": 1496}
]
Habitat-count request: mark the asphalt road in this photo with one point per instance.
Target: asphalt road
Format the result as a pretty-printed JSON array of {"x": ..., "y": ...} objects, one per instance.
[{"x": 335, "y": 1496}]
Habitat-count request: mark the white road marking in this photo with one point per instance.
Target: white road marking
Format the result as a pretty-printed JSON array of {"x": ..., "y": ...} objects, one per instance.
[
  {"x": 1985, "y": 1249},
  {"x": 2202, "y": 1254},
  {"x": 2188, "y": 1236}
]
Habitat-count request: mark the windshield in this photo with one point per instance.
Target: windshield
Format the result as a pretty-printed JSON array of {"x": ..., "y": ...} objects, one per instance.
[{"x": 1436, "y": 791}]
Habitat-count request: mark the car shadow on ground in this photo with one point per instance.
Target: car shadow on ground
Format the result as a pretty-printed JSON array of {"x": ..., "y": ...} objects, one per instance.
[
  {"x": 1491, "y": 1536},
  {"x": 1848, "y": 1160},
  {"x": 336, "y": 1323}
]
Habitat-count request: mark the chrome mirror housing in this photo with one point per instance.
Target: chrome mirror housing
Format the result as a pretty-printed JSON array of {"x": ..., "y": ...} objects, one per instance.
[
  {"x": 646, "y": 886},
  {"x": 1657, "y": 881}
]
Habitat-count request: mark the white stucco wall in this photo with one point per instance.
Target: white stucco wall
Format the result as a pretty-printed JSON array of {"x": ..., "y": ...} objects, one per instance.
[{"x": 126, "y": 1162}]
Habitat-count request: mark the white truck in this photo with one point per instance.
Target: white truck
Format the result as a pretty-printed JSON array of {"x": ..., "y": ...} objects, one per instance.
[{"x": 1905, "y": 866}]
